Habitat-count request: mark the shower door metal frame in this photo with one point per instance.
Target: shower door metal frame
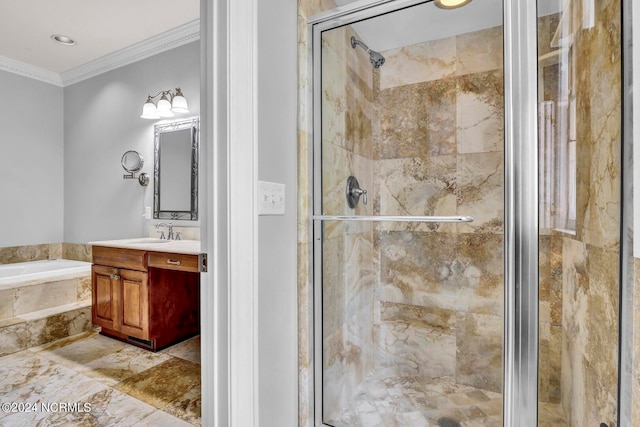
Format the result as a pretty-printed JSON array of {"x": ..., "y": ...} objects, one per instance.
[
  {"x": 627, "y": 296},
  {"x": 520, "y": 360},
  {"x": 521, "y": 228}
]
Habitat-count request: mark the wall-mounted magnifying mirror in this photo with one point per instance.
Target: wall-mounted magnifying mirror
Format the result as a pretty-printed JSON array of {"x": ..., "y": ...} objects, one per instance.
[
  {"x": 175, "y": 194},
  {"x": 132, "y": 162}
]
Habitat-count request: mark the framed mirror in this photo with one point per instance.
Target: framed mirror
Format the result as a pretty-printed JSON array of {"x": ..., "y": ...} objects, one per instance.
[{"x": 175, "y": 192}]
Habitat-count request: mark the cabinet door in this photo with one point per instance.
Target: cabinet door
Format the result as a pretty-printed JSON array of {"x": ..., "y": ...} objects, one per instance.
[
  {"x": 134, "y": 302},
  {"x": 104, "y": 297}
]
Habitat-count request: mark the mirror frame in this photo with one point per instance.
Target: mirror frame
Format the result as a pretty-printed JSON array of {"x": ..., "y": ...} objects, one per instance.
[{"x": 159, "y": 129}]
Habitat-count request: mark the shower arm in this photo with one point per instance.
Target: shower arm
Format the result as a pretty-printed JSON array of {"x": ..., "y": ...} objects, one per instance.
[
  {"x": 355, "y": 42},
  {"x": 376, "y": 58}
]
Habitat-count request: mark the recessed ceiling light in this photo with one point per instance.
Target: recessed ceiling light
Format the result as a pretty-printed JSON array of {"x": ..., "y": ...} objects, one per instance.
[
  {"x": 450, "y": 4},
  {"x": 67, "y": 41}
]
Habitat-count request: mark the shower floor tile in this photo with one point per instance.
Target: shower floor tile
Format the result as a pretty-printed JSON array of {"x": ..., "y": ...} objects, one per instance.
[
  {"x": 124, "y": 385},
  {"x": 383, "y": 400}
]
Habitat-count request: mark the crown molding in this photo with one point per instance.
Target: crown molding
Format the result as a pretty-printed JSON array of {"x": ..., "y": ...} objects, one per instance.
[
  {"x": 30, "y": 71},
  {"x": 168, "y": 40}
]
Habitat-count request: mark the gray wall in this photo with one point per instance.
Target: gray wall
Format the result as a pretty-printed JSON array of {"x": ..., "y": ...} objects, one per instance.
[
  {"x": 101, "y": 122},
  {"x": 277, "y": 235},
  {"x": 31, "y": 162}
]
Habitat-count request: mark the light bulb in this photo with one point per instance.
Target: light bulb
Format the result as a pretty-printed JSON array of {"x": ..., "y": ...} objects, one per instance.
[
  {"x": 180, "y": 105},
  {"x": 179, "y": 102},
  {"x": 149, "y": 110},
  {"x": 164, "y": 107}
]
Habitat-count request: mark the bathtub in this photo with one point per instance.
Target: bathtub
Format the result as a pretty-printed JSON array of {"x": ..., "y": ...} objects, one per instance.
[
  {"x": 12, "y": 275},
  {"x": 42, "y": 301}
]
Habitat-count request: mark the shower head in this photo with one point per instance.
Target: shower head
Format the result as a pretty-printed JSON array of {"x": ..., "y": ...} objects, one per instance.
[{"x": 375, "y": 57}]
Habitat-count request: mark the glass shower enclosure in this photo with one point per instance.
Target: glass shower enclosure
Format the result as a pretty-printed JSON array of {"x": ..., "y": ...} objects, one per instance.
[{"x": 454, "y": 247}]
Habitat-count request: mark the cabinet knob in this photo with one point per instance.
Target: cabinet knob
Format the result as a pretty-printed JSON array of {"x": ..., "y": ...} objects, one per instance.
[
  {"x": 115, "y": 277},
  {"x": 172, "y": 262}
]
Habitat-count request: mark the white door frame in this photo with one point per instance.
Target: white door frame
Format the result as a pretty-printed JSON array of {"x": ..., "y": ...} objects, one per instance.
[{"x": 229, "y": 226}]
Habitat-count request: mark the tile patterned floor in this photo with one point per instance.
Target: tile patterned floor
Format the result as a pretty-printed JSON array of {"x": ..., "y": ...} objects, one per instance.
[
  {"x": 127, "y": 386},
  {"x": 124, "y": 385},
  {"x": 386, "y": 400}
]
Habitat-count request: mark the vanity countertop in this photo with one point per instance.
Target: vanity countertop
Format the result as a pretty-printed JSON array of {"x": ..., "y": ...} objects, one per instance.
[{"x": 151, "y": 244}]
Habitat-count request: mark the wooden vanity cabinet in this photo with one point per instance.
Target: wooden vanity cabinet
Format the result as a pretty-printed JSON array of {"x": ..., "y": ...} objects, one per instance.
[
  {"x": 150, "y": 299},
  {"x": 120, "y": 301}
]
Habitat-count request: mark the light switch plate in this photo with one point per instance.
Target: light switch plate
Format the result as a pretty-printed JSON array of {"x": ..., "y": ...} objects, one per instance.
[{"x": 270, "y": 198}]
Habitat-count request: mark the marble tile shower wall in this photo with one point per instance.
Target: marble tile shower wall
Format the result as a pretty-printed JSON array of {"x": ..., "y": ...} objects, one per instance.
[
  {"x": 589, "y": 259},
  {"x": 439, "y": 151},
  {"x": 14, "y": 254}
]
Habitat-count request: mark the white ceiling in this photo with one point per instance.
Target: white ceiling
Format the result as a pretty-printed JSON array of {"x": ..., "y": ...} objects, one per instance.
[
  {"x": 100, "y": 27},
  {"x": 428, "y": 22}
]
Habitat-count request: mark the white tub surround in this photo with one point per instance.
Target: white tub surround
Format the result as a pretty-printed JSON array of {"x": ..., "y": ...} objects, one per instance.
[
  {"x": 42, "y": 301},
  {"x": 14, "y": 275}
]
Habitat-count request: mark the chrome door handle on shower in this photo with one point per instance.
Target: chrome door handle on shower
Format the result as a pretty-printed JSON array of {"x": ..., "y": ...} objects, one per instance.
[{"x": 353, "y": 192}]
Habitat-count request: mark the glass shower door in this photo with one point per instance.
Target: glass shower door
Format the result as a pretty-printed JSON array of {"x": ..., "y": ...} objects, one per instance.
[{"x": 409, "y": 265}]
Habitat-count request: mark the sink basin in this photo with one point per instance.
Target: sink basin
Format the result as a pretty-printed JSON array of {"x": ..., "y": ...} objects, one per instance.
[
  {"x": 153, "y": 244},
  {"x": 145, "y": 241}
]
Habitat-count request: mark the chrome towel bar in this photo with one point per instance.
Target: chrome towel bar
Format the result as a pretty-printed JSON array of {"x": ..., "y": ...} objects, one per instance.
[{"x": 402, "y": 218}]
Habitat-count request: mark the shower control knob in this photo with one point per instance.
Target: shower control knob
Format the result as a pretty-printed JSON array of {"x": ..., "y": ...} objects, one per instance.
[
  {"x": 353, "y": 192},
  {"x": 357, "y": 192}
]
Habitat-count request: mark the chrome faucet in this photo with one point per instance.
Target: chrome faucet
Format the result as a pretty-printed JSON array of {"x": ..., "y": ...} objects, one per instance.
[{"x": 170, "y": 233}]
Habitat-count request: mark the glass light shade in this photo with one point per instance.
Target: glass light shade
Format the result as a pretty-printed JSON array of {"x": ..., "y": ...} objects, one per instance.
[
  {"x": 450, "y": 4},
  {"x": 149, "y": 110},
  {"x": 164, "y": 107},
  {"x": 179, "y": 104}
]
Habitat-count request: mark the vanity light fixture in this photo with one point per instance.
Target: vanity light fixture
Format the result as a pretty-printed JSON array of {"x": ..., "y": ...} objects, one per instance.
[
  {"x": 168, "y": 104},
  {"x": 450, "y": 4}
]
